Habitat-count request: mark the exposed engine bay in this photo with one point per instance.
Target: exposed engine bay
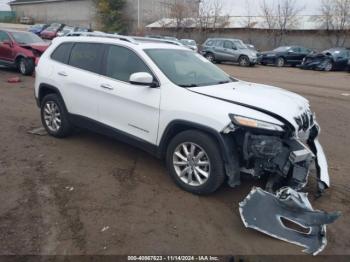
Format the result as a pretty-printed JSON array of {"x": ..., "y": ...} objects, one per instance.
[{"x": 281, "y": 211}]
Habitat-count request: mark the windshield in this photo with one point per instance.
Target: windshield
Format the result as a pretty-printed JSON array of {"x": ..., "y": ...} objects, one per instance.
[
  {"x": 26, "y": 38},
  {"x": 53, "y": 27},
  {"x": 188, "y": 42},
  {"x": 67, "y": 29},
  {"x": 282, "y": 49},
  {"x": 186, "y": 68}
]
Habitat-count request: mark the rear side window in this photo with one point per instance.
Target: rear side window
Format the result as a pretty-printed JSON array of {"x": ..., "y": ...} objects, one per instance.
[
  {"x": 61, "y": 54},
  {"x": 87, "y": 56},
  {"x": 228, "y": 44},
  {"x": 122, "y": 62}
]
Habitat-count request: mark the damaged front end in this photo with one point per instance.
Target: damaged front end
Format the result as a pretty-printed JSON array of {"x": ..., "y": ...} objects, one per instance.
[{"x": 285, "y": 160}]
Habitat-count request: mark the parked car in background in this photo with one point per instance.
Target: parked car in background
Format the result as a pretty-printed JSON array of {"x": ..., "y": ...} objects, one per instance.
[
  {"x": 37, "y": 28},
  {"x": 71, "y": 29},
  {"x": 228, "y": 50},
  {"x": 21, "y": 50},
  {"x": 190, "y": 43},
  {"x": 349, "y": 65},
  {"x": 51, "y": 32},
  {"x": 284, "y": 55},
  {"x": 328, "y": 60}
]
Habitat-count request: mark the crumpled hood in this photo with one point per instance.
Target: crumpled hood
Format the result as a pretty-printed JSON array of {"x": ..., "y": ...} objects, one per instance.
[
  {"x": 286, "y": 104},
  {"x": 41, "y": 47}
]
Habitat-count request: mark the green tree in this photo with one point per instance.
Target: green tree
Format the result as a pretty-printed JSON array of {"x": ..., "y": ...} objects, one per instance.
[{"x": 111, "y": 15}]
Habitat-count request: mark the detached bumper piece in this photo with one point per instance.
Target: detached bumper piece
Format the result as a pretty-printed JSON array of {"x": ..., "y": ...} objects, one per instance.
[{"x": 288, "y": 216}]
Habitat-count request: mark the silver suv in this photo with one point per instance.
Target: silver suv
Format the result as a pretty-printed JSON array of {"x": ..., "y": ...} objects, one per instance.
[{"x": 219, "y": 50}]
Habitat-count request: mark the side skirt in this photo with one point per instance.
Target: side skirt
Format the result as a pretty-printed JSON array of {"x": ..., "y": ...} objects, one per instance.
[{"x": 97, "y": 127}]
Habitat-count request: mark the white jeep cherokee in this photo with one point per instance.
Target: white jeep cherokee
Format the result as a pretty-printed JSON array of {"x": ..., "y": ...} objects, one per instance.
[{"x": 175, "y": 104}]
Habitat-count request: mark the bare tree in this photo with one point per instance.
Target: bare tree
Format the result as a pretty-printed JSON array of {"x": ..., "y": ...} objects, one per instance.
[
  {"x": 211, "y": 17},
  {"x": 335, "y": 19},
  {"x": 279, "y": 17}
]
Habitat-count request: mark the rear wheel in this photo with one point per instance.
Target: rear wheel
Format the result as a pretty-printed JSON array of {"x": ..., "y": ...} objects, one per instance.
[
  {"x": 54, "y": 116},
  {"x": 210, "y": 57},
  {"x": 26, "y": 66},
  {"x": 194, "y": 162},
  {"x": 244, "y": 61},
  {"x": 280, "y": 62}
]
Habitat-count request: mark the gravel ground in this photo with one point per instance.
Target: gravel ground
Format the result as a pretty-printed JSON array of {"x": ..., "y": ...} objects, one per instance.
[{"x": 88, "y": 194}]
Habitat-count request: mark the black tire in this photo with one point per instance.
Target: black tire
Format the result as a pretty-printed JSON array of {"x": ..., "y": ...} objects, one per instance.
[
  {"x": 209, "y": 145},
  {"x": 65, "y": 128},
  {"x": 244, "y": 61},
  {"x": 329, "y": 66},
  {"x": 280, "y": 62},
  {"x": 210, "y": 57},
  {"x": 26, "y": 66}
]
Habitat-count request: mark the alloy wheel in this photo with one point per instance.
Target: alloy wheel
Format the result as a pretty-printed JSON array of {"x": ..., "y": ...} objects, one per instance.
[
  {"x": 280, "y": 62},
  {"x": 191, "y": 164},
  {"x": 52, "y": 116},
  {"x": 22, "y": 66}
]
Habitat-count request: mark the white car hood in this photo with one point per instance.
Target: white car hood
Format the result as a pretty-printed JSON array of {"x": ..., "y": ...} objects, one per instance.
[{"x": 286, "y": 104}]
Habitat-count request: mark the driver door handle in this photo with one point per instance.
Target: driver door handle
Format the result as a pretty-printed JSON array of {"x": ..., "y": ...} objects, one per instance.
[{"x": 107, "y": 86}]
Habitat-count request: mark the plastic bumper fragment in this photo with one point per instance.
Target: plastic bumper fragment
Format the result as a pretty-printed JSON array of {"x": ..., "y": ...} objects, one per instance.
[{"x": 268, "y": 214}]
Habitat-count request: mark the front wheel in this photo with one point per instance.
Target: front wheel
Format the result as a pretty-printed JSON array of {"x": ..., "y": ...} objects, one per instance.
[
  {"x": 280, "y": 62},
  {"x": 194, "y": 162},
  {"x": 26, "y": 66},
  {"x": 244, "y": 61},
  {"x": 328, "y": 66}
]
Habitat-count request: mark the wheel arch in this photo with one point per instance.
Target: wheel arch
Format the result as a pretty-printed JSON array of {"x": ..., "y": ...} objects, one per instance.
[
  {"x": 229, "y": 154},
  {"x": 177, "y": 126},
  {"x": 46, "y": 89}
]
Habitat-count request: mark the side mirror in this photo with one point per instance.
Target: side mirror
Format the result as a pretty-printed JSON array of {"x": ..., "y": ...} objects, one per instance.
[
  {"x": 142, "y": 79},
  {"x": 234, "y": 48},
  {"x": 7, "y": 42}
]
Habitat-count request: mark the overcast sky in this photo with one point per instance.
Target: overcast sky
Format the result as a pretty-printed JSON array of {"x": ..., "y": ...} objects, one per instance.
[{"x": 238, "y": 7}]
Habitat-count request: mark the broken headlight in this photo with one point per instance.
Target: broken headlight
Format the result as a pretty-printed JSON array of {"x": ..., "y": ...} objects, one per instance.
[{"x": 254, "y": 123}]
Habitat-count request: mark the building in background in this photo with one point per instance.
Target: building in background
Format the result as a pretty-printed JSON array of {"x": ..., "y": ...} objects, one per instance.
[
  {"x": 138, "y": 13},
  {"x": 72, "y": 12}
]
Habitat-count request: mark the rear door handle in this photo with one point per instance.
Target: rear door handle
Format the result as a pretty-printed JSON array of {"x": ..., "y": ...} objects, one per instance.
[
  {"x": 62, "y": 74},
  {"x": 106, "y": 86}
]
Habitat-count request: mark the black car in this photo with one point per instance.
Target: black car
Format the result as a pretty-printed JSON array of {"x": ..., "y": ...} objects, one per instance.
[
  {"x": 328, "y": 60},
  {"x": 284, "y": 55},
  {"x": 349, "y": 65}
]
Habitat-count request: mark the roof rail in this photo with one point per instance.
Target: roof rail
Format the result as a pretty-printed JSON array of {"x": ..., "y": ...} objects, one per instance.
[
  {"x": 157, "y": 40},
  {"x": 101, "y": 34}
]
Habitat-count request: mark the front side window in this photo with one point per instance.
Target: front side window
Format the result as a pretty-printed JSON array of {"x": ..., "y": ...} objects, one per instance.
[
  {"x": 4, "y": 37},
  {"x": 87, "y": 56},
  {"x": 186, "y": 68},
  {"x": 121, "y": 63},
  {"x": 62, "y": 52}
]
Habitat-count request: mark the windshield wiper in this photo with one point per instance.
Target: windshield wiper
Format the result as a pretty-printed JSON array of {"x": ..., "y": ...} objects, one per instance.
[
  {"x": 189, "y": 85},
  {"x": 224, "y": 82}
]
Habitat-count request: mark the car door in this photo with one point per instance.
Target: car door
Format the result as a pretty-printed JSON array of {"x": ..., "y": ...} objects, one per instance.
[
  {"x": 7, "y": 53},
  {"x": 78, "y": 78},
  {"x": 294, "y": 55},
  {"x": 131, "y": 109},
  {"x": 230, "y": 51},
  {"x": 218, "y": 49}
]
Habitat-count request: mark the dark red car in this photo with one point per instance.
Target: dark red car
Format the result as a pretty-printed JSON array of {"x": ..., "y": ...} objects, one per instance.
[
  {"x": 51, "y": 32},
  {"x": 21, "y": 50}
]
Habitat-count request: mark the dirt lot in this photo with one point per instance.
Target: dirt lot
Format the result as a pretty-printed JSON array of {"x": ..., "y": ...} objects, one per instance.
[{"x": 91, "y": 195}]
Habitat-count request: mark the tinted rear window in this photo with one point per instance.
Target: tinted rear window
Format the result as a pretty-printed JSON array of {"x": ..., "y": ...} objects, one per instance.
[
  {"x": 87, "y": 56},
  {"x": 61, "y": 54}
]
